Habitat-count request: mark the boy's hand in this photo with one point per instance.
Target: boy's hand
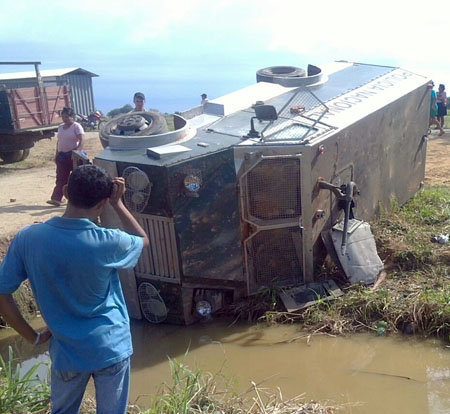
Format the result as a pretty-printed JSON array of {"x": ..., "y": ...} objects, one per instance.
[{"x": 118, "y": 190}]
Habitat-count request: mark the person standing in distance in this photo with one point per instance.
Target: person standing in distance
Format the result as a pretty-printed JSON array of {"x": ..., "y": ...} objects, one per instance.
[
  {"x": 204, "y": 98},
  {"x": 71, "y": 265},
  {"x": 441, "y": 100},
  {"x": 434, "y": 110},
  {"x": 139, "y": 102},
  {"x": 70, "y": 137}
]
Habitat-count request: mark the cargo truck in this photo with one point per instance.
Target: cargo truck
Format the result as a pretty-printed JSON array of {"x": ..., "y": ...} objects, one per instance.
[{"x": 28, "y": 115}]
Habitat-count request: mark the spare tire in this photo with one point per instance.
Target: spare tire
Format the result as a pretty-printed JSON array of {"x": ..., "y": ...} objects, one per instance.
[
  {"x": 273, "y": 72},
  {"x": 154, "y": 124},
  {"x": 289, "y": 76}
]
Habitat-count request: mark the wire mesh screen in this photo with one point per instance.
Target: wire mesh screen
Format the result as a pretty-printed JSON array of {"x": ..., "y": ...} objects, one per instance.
[
  {"x": 273, "y": 189},
  {"x": 295, "y": 120},
  {"x": 274, "y": 258}
]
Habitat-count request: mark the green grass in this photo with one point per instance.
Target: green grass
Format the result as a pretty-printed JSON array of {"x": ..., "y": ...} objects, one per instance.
[
  {"x": 21, "y": 395},
  {"x": 191, "y": 391},
  {"x": 196, "y": 391}
]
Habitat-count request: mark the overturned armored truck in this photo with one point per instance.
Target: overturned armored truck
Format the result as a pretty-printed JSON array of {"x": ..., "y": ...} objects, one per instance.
[{"x": 235, "y": 198}]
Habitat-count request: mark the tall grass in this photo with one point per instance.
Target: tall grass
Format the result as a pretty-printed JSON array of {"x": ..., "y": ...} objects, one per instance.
[
  {"x": 20, "y": 395},
  {"x": 192, "y": 391},
  {"x": 198, "y": 392},
  {"x": 415, "y": 297}
]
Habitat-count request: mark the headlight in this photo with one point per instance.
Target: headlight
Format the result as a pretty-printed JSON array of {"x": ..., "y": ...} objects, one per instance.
[
  {"x": 203, "y": 307},
  {"x": 192, "y": 183}
]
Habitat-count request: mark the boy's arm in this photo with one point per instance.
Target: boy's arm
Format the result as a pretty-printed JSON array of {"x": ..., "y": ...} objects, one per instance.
[
  {"x": 13, "y": 317},
  {"x": 130, "y": 225}
]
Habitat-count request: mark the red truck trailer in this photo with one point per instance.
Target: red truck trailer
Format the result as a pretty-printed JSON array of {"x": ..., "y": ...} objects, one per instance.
[{"x": 28, "y": 115}]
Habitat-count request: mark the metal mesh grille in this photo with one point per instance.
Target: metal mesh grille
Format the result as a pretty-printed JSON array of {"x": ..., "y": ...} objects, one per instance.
[
  {"x": 152, "y": 305},
  {"x": 161, "y": 257},
  {"x": 293, "y": 123},
  {"x": 274, "y": 190},
  {"x": 275, "y": 258}
]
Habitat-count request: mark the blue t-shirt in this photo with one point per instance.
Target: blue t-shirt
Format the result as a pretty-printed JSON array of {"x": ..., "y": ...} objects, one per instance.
[{"x": 72, "y": 267}]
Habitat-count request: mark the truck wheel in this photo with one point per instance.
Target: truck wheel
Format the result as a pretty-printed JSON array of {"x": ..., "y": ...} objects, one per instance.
[
  {"x": 26, "y": 153},
  {"x": 12, "y": 156}
]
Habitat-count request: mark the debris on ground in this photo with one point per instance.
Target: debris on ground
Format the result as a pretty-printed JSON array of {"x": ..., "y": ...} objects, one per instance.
[{"x": 441, "y": 238}]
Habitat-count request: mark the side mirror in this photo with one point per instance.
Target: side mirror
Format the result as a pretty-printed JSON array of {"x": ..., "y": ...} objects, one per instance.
[
  {"x": 266, "y": 112},
  {"x": 263, "y": 113}
]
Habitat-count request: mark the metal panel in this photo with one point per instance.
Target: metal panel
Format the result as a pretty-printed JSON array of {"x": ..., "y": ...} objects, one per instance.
[
  {"x": 81, "y": 93},
  {"x": 82, "y": 97},
  {"x": 28, "y": 110},
  {"x": 160, "y": 259}
]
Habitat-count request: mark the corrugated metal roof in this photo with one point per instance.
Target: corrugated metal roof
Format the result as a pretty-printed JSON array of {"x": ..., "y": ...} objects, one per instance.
[{"x": 46, "y": 73}]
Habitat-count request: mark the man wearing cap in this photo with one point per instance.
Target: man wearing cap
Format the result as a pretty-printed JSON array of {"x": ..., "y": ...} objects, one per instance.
[
  {"x": 139, "y": 102},
  {"x": 159, "y": 123}
]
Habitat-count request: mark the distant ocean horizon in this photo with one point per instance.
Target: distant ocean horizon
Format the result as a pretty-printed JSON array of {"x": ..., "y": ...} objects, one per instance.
[
  {"x": 164, "y": 95},
  {"x": 171, "y": 86}
]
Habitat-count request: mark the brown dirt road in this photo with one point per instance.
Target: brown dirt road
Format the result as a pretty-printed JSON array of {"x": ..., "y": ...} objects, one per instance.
[{"x": 25, "y": 186}]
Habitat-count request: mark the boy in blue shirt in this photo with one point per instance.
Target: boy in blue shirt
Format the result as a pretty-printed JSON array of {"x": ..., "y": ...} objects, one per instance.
[{"x": 72, "y": 264}]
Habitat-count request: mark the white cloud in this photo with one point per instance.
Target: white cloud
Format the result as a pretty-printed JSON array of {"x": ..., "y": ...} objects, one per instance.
[{"x": 386, "y": 31}]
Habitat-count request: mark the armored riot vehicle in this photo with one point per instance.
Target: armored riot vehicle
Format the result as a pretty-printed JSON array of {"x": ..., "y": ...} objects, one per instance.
[{"x": 236, "y": 198}]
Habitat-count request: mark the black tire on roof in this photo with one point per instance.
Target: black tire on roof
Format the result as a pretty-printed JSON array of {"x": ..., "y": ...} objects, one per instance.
[
  {"x": 268, "y": 74},
  {"x": 157, "y": 125}
]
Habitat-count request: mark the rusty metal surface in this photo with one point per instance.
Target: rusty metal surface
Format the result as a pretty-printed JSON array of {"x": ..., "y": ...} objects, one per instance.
[
  {"x": 23, "y": 109},
  {"x": 207, "y": 225}
]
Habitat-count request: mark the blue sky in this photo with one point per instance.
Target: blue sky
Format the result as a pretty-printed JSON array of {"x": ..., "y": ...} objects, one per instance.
[{"x": 173, "y": 51}]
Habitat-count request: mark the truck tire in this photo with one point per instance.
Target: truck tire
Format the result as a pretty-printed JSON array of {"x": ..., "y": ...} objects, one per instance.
[
  {"x": 13, "y": 156},
  {"x": 156, "y": 125},
  {"x": 271, "y": 73},
  {"x": 26, "y": 153}
]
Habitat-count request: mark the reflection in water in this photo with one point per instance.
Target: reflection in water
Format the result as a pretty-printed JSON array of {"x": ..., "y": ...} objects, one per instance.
[{"x": 388, "y": 375}]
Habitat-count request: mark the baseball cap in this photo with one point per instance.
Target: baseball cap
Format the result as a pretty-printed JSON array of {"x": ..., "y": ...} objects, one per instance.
[{"x": 139, "y": 95}]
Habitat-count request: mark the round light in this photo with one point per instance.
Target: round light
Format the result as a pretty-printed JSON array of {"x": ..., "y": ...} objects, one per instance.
[
  {"x": 203, "y": 307},
  {"x": 192, "y": 183}
]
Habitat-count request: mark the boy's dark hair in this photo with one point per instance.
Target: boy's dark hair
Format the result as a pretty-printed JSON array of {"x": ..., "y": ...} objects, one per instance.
[
  {"x": 68, "y": 111},
  {"x": 88, "y": 185}
]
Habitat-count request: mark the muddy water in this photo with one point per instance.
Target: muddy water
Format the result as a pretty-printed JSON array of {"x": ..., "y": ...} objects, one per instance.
[{"x": 383, "y": 374}]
